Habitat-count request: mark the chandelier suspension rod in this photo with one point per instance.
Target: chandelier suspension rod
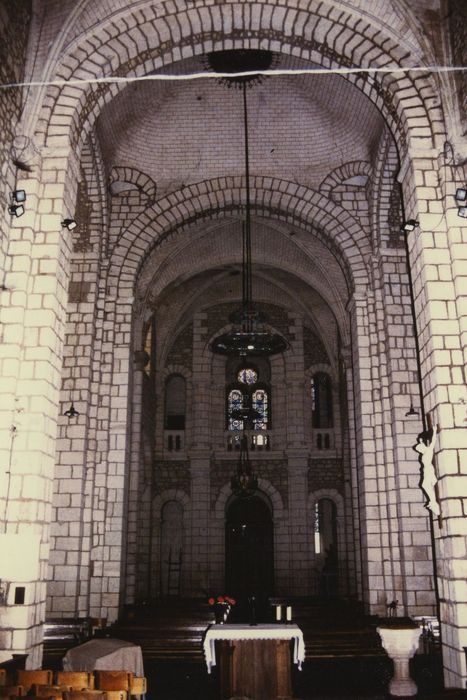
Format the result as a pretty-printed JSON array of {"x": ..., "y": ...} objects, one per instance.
[
  {"x": 247, "y": 281},
  {"x": 248, "y": 335}
]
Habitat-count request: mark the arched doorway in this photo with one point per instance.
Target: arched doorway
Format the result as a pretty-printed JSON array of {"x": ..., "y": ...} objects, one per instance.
[
  {"x": 326, "y": 545},
  {"x": 171, "y": 548},
  {"x": 249, "y": 551}
]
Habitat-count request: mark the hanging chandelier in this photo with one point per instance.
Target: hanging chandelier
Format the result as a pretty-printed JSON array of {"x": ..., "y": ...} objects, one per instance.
[
  {"x": 249, "y": 334},
  {"x": 244, "y": 482}
]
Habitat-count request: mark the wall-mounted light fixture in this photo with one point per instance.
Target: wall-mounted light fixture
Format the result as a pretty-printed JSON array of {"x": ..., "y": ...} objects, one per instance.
[
  {"x": 72, "y": 412},
  {"x": 461, "y": 199},
  {"x": 409, "y": 225},
  {"x": 16, "y": 210},
  {"x": 70, "y": 224},
  {"x": 16, "y": 207},
  {"x": 411, "y": 411},
  {"x": 19, "y": 195}
]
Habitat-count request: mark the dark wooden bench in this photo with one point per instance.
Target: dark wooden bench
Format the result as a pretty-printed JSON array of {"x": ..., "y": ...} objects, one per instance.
[
  {"x": 62, "y": 634},
  {"x": 11, "y": 666}
]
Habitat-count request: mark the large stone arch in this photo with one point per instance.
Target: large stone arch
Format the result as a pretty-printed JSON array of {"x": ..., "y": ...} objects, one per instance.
[
  {"x": 331, "y": 37},
  {"x": 270, "y": 197}
]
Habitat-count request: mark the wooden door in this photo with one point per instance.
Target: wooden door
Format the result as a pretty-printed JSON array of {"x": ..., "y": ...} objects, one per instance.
[{"x": 249, "y": 548}]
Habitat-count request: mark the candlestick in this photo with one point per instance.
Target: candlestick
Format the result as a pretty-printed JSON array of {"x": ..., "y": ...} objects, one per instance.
[
  {"x": 289, "y": 613},
  {"x": 278, "y": 613}
]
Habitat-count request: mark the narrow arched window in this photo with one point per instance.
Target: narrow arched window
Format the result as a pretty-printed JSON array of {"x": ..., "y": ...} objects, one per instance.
[
  {"x": 321, "y": 400},
  {"x": 171, "y": 528},
  {"x": 235, "y": 401},
  {"x": 325, "y": 517},
  {"x": 260, "y": 403},
  {"x": 175, "y": 402},
  {"x": 327, "y": 546}
]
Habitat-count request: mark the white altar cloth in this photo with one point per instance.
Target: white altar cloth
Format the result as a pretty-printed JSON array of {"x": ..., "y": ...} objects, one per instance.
[
  {"x": 251, "y": 632},
  {"x": 105, "y": 654}
]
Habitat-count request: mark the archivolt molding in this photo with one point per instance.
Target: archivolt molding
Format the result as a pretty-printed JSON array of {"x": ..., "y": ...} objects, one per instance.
[
  {"x": 321, "y": 367},
  {"x": 329, "y": 36},
  {"x": 143, "y": 182},
  {"x": 385, "y": 205},
  {"x": 218, "y": 198},
  {"x": 170, "y": 370},
  {"x": 225, "y": 495},
  {"x": 171, "y": 495},
  {"x": 337, "y": 176},
  {"x": 338, "y": 501}
]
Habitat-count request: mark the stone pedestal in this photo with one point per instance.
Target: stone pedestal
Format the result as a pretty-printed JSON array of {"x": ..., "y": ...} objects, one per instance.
[{"x": 400, "y": 643}]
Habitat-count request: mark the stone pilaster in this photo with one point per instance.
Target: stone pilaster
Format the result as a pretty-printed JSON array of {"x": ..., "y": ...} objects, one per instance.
[
  {"x": 33, "y": 323},
  {"x": 438, "y": 254},
  {"x": 299, "y": 530},
  {"x": 378, "y": 529},
  {"x": 199, "y": 526}
]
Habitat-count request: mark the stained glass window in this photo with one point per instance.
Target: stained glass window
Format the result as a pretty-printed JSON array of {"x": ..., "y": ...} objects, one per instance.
[
  {"x": 313, "y": 395},
  {"x": 248, "y": 393},
  {"x": 234, "y": 402},
  {"x": 259, "y": 401},
  {"x": 247, "y": 375}
]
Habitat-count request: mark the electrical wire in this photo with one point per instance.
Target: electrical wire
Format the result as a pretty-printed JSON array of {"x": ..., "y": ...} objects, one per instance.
[{"x": 110, "y": 80}]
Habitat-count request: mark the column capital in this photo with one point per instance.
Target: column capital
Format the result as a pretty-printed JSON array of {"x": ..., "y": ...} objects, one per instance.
[
  {"x": 25, "y": 154},
  {"x": 297, "y": 459},
  {"x": 141, "y": 359},
  {"x": 200, "y": 459}
]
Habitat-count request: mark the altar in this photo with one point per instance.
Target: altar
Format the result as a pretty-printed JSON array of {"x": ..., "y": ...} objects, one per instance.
[{"x": 254, "y": 661}]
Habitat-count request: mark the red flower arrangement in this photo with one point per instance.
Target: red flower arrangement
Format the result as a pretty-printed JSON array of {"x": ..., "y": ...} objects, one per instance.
[
  {"x": 221, "y": 607},
  {"x": 222, "y": 599}
]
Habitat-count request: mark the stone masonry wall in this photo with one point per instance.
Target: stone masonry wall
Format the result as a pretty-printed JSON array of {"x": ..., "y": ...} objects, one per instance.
[
  {"x": 14, "y": 28},
  {"x": 80, "y": 499}
]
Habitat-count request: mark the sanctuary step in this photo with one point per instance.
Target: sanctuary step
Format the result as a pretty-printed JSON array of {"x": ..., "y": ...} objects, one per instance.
[
  {"x": 166, "y": 630},
  {"x": 335, "y": 628},
  {"x": 174, "y": 629}
]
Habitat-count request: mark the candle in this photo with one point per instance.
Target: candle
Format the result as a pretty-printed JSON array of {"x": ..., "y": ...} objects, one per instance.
[
  {"x": 278, "y": 613},
  {"x": 289, "y": 613}
]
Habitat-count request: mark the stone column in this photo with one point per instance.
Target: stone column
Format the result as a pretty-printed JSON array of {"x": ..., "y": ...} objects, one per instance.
[
  {"x": 380, "y": 553},
  {"x": 300, "y": 537},
  {"x": 198, "y": 554},
  {"x": 294, "y": 385},
  {"x": 406, "y": 500},
  {"x": 32, "y": 316},
  {"x": 79, "y": 444},
  {"x": 112, "y": 472},
  {"x": 437, "y": 250},
  {"x": 201, "y": 404},
  {"x": 137, "y": 498},
  {"x": 351, "y": 495}
]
